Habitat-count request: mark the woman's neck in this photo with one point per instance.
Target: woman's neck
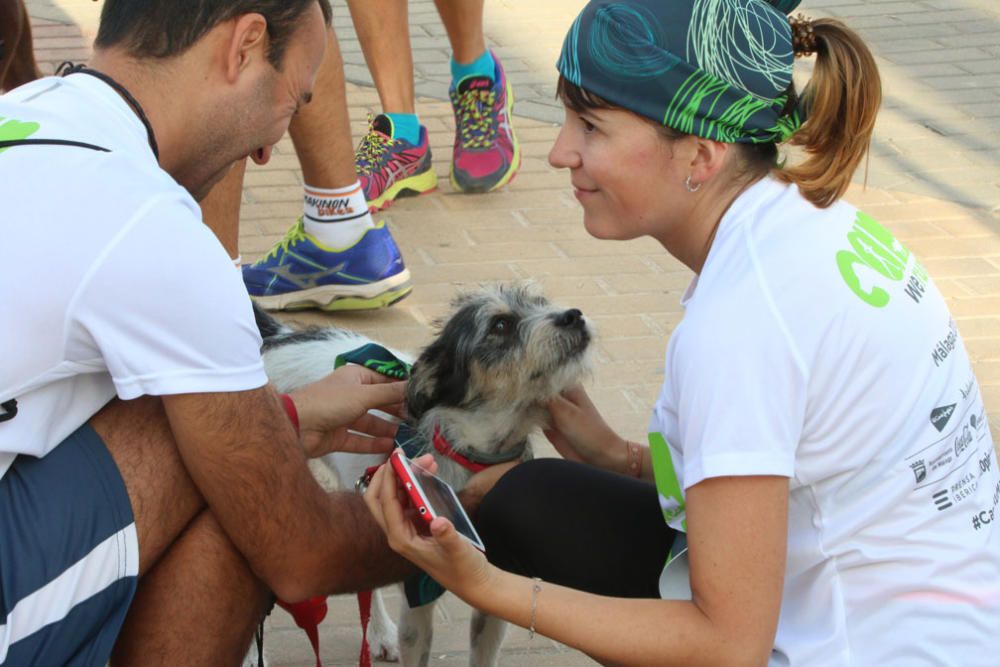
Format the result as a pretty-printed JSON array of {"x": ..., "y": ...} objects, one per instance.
[{"x": 696, "y": 232}]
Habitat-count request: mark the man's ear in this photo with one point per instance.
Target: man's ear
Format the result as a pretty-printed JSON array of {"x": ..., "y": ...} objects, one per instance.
[{"x": 248, "y": 41}]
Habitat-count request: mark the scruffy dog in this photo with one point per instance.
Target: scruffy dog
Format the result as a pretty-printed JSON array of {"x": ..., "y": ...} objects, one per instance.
[{"x": 479, "y": 385}]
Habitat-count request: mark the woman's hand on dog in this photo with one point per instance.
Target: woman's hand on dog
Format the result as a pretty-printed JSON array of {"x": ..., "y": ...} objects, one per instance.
[
  {"x": 443, "y": 554},
  {"x": 334, "y": 412},
  {"x": 579, "y": 432}
]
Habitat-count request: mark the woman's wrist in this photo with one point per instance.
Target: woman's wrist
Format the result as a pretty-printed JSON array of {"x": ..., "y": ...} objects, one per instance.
[{"x": 634, "y": 459}]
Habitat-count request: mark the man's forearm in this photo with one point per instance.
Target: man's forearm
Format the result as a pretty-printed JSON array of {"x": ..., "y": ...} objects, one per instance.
[{"x": 356, "y": 556}]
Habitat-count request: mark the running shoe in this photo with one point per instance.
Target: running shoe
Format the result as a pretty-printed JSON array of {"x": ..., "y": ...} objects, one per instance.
[
  {"x": 486, "y": 154},
  {"x": 390, "y": 168},
  {"x": 299, "y": 272}
]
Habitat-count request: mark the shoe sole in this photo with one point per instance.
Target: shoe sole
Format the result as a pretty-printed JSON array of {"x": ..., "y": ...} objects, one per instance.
[
  {"x": 418, "y": 184},
  {"x": 370, "y": 296},
  {"x": 515, "y": 161}
]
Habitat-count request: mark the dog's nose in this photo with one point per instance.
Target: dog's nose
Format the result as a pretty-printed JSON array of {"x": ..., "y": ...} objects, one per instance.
[{"x": 570, "y": 318}]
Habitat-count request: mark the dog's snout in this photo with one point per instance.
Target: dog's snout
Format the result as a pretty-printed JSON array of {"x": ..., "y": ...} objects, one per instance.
[{"x": 571, "y": 318}]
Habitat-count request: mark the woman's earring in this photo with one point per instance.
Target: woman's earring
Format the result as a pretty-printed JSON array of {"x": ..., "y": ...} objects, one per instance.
[{"x": 691, "y": 188}]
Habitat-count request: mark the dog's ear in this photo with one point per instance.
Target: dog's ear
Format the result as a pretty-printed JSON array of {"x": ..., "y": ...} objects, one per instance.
[
  {"x": 419, "y": 392},
  {"x": 441, "y": 373}
]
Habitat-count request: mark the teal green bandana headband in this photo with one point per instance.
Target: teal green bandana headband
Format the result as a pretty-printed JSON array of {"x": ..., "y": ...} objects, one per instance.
[{"x": 718, "y": 69}]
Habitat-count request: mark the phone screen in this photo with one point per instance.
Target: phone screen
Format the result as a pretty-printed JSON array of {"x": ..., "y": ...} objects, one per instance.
[{"x": 442, "y": 501}]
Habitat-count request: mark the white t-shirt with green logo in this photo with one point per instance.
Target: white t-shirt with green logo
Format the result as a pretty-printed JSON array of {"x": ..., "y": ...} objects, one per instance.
[
  {"x": 815, "y": 347},
  {"x": 111, "y": 283}
]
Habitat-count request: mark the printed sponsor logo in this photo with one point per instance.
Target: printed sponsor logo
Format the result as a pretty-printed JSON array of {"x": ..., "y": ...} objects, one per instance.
[
  {"x": 967, "y": 389},
  {"x": 985, "y": 517},
  {"x": 307, "y": 279},
  {"x": 941, "y": 461},
  {"x": 874, "y": 247},
  {"x": 12, "y": 129},
  {"x": 941, "y": 415},
  {"x": 986, "y": 463},
  {"x": 941, "y": 500},
  {"x": 977, "y": 422},
  {"x": 946, "y": 345},
  {"x": 330, "y": 207},
  {"x": 919, "y": 470},
  {"x": 962, "y": 441},
  {"x": 964, "y": 488}
]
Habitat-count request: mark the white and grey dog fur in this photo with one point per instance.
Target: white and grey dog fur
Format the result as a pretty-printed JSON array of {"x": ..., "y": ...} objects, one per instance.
[{"x": 502, "y": 352}]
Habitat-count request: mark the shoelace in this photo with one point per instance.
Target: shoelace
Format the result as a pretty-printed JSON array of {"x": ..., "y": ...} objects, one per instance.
[
  {"x": 373, "y": 146},
  {"x": 292, "y": 236},
  {"x": 478, "y": 125}
]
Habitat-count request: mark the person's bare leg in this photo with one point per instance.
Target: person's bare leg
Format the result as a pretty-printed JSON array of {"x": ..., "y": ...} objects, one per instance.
[
  {"x": 221, "y": 208},
  {"x": 199, "y": 605},
  {"x": 383, "y": 31},
  {"x": 463, "y": 21},
  {"x": 191, "y": 578},
  {"x": 321, "y": 131}
]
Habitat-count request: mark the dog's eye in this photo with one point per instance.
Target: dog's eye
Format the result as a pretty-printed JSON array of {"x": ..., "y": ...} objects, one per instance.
[{"x": 502, "y": 324}]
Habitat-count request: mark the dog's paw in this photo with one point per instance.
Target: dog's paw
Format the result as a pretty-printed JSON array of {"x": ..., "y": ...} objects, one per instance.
[{"x": 384, "y": 643}]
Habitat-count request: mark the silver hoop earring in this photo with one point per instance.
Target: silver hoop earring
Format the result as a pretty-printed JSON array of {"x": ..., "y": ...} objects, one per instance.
[{"x": 691, "y": 188}]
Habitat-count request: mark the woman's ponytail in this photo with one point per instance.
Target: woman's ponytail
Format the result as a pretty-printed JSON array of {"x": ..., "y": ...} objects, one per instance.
[{"x": 840, "y": 102}]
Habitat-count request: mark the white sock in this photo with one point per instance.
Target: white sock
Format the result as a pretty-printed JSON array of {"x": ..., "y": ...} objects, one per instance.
[
  {"x": 336, "y": 218},
  {"x": 238, "y": 262}
]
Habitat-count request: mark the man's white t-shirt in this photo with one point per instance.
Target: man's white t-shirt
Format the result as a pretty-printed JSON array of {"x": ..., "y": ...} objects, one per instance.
[
  {"x": 111, "y": 283},
  {"x": 815, "y": 347}
]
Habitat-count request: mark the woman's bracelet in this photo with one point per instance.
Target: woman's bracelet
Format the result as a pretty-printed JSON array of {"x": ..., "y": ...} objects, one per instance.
[
  {"x": 536, "y": 588},
  {"x": 634, "y": 458}
]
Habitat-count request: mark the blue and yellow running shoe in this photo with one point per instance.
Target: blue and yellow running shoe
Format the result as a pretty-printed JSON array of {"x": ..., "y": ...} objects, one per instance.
[{"x": 299, "y": 272}]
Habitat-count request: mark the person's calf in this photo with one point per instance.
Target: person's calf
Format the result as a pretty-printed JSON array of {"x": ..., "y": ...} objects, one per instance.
[{"x": 199, "y": 605}]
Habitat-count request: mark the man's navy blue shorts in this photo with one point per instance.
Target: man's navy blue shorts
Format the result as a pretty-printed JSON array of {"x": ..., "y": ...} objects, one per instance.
[{"x": 69, "y": 556}]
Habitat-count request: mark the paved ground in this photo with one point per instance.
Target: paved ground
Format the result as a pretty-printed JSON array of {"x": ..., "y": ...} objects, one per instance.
[{"x": 933, "y": 179}]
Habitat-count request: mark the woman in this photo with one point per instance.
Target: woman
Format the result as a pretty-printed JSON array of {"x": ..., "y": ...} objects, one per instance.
[{"x": 825, "y": 476}]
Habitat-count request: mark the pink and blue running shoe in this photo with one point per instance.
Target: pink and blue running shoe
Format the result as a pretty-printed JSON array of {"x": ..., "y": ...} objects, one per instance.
[
  {"x": 389, "y": 168},
  {"x": 486, "y": 154},
  {"x": 299, "y": 272}
]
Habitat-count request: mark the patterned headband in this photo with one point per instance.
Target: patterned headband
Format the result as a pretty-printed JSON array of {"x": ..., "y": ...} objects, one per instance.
[{"x": 718, "y": 69}]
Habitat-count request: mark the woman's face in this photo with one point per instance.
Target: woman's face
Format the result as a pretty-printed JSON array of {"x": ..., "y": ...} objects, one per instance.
[{"x": 624, "y": 172}]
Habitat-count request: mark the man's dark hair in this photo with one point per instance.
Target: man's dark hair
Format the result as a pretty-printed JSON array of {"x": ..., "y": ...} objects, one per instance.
[{"x": 166, "y": 28}]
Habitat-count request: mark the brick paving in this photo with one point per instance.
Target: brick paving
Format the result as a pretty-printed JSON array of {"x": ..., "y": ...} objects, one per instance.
[{"x": 933, "y": 179}]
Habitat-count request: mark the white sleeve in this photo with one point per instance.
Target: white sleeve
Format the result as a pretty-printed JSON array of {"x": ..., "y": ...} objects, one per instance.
[
  {"x": 742, "y": 393},
  {"x": 167, "y": 311}
]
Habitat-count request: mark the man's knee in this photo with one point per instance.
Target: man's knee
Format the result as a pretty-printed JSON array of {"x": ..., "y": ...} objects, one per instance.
[{"x": 164, "y": 498}]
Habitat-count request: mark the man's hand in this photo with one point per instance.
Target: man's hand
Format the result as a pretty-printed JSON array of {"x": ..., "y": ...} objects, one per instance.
[{"x": 334, "y": 412}]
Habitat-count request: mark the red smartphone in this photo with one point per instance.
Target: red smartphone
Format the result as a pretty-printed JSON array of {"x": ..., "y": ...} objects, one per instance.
[{"x": 432, "y": 496}]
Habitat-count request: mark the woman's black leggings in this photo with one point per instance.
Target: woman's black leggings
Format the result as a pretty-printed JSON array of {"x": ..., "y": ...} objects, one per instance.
[{"x": 579, "y": 526}]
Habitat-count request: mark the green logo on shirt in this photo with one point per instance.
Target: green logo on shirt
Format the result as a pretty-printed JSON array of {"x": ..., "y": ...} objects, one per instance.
[
  {"x": 15, "y": 130},
  {"x": 873, "y": 246},
  {"x": 671, "y": 497}
]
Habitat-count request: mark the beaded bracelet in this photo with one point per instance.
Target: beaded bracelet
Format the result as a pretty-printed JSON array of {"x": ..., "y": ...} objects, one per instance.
[
  {"x": 634, "y": 458},
  {"x": 536, "y": 588}
]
